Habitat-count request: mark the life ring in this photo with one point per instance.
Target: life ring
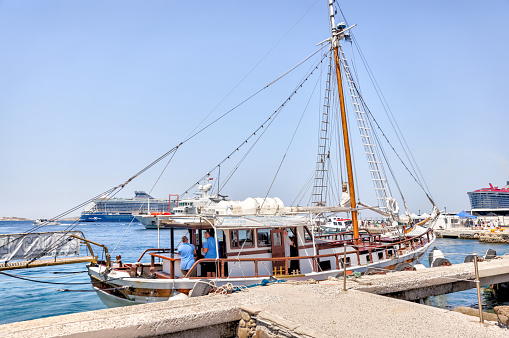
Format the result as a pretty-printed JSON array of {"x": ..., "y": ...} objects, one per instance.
[{"x": 392, "y": 205}]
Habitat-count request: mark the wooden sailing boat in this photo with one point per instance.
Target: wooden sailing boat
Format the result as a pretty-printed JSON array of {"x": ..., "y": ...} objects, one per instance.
[
  {"x": 249, "y": 236},
  {"x": 250, "y": 241}
]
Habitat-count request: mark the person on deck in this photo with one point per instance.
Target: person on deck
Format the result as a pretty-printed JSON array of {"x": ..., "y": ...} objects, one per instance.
[
  {"x": 287, "y": 242},
  {"x": 210, "y": 251},
  {"x": 187, "y": 252}
]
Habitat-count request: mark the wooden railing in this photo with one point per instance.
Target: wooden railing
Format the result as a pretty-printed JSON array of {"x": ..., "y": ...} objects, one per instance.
[
  {"x": 220, "y": 265},
  {"x": 398, "y": 248},
  {"x": 390, "y": 249},
  {"x": 152, "y": 249}
]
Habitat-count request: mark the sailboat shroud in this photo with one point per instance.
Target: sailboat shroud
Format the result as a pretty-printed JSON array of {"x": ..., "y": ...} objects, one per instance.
[{"x": 251, "y": 245}]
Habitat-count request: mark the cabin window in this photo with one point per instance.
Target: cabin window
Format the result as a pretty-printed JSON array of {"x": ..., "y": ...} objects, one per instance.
[
  {"x": 263, "y": 237},
  {"x": 241, "y": 238},
  {"x": 307, "y": 235},
  {"x": 368, "y": 258},
  {"x": 348, "y": 261},
  {"x": 380, "y": 255},
  {"x": 276, "y": 240}
]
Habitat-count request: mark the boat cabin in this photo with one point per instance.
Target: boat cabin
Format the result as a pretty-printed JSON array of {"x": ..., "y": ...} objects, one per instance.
[{"x": 260, "y": 251}]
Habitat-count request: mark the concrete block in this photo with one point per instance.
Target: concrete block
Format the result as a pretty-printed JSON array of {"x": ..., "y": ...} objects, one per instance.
[
  {"x": 251, "y": 309},
  {"x": 278, "y": 320},
  {"x": 245, "y": 316},
  {"x": 503, "y": 313},
  {"x": 475, "y": 312},
  {"x": 243, "y": 332},
  {"x": 307, "y": 332}
]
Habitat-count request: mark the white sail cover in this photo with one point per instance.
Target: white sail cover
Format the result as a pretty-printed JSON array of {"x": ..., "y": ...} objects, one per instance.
[
  {"x": 261, "y": 221},
  {"x": 38, "y": 245}
]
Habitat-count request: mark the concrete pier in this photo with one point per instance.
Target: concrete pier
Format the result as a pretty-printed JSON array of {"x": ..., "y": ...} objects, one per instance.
[
  {"x": 414, "y": 285},
  {"x": 305, "y": 309}
]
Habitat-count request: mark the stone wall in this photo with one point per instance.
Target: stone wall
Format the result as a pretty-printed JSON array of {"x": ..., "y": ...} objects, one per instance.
[{"x": 494, "y": 237}]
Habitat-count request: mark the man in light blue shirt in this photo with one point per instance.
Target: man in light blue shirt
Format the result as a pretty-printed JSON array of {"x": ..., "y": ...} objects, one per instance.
[
  {"x": 187, "y": 252},
  {"x": 209, "y": 249}
]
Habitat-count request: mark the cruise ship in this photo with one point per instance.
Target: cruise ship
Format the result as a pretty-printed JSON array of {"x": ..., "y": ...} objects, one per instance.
[
  {"x": 106, "y": 209},
  {"x": 492, "y": 201}
]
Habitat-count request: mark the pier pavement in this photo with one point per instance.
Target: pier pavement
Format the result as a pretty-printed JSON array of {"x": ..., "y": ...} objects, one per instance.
[{"x": 299, "y": 309}]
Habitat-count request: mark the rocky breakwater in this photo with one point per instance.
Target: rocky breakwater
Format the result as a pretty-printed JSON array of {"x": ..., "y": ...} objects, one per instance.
[
  {"x": 501, "y": 315},
  {"x": 494, "y": 237}
]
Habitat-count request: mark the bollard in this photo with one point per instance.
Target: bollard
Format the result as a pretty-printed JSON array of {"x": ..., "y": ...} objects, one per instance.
[
  {"x": 478, "y": 285},
  {"x": 344, "y": 270}
]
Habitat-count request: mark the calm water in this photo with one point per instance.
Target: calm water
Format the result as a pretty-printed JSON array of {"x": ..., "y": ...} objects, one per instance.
[{"x": 24, "y": 300}]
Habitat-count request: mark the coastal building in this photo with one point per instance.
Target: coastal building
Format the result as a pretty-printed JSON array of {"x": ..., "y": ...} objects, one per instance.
[{"x": 492, "y": 201}]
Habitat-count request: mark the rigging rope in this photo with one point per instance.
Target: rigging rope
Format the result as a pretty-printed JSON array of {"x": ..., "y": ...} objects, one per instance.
[
  {"x": 416, "y": 173},
  {"x": 256, "y": 65},
  {"x": 291, "y": 141},
  {"x": 112, "y": 191},
  {"x": 44, "y": 282},
  {"x": 392, "y": 120},
  {"x": 265, "y": 125}
]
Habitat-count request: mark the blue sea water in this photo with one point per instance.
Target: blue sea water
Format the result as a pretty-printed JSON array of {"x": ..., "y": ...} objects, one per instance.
[
  {"x": 455, "y": 251},
  {"x": 25, "y": 300}
]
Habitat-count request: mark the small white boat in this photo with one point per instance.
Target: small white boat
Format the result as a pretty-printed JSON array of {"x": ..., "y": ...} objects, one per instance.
[
  {"x": 44, "y": 221},
  {"x": 185, "y": 207},
  {"x": 337, "y": 224}
]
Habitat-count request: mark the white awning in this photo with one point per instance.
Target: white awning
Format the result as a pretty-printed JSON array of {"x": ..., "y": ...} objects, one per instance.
[{"x": 260, "y": 221}]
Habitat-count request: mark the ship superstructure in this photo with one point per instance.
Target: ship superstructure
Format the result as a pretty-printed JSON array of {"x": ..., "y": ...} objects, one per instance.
[
  {"x": 106, "y": 209},
  {"x": 492, "y": 201}
]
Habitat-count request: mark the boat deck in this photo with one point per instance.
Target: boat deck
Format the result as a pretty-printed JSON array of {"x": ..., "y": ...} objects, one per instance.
[{"x": 46, "y": 262}]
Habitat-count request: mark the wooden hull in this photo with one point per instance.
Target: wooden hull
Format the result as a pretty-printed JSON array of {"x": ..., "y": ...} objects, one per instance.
[{"x": 118, "y": 289}]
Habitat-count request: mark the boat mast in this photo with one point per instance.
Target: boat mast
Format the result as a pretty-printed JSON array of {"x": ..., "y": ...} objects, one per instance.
[{"x": 335, "y": 43}]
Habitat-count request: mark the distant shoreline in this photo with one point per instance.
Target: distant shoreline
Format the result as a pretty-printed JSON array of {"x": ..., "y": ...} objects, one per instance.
[{"x": 11, "y": 219}]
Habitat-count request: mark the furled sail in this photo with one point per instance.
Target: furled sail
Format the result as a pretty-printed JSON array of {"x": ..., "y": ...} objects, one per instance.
[{"x": 38, "y": 245}]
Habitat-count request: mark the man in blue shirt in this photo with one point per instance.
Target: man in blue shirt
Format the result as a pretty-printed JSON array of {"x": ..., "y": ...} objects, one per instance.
[
  {"x": 187, "y": 252},
  {"x": 209, "y": 249}
]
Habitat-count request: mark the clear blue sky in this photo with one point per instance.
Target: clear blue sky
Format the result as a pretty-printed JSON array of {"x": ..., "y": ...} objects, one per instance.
[{"x": 92, "y": 91}]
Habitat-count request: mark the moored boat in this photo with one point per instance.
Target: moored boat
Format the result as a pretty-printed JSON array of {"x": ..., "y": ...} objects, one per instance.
[
  {"x": 337, "y": 224},
  {"x": 267, "y": 240},
  {"x": 492, "y": 201},
  {"x": 251, "y": 249},
  {"x": 262, "y": 238},
  {"x": 44, "y": 221},
  {"x": 114, "y": 209}
]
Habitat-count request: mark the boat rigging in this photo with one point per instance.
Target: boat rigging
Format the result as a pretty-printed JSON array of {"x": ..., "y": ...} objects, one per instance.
[{"x": 251, "y": 237}]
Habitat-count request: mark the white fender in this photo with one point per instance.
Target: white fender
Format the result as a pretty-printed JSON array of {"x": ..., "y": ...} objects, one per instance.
[{"x": 392, "y": 205}]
